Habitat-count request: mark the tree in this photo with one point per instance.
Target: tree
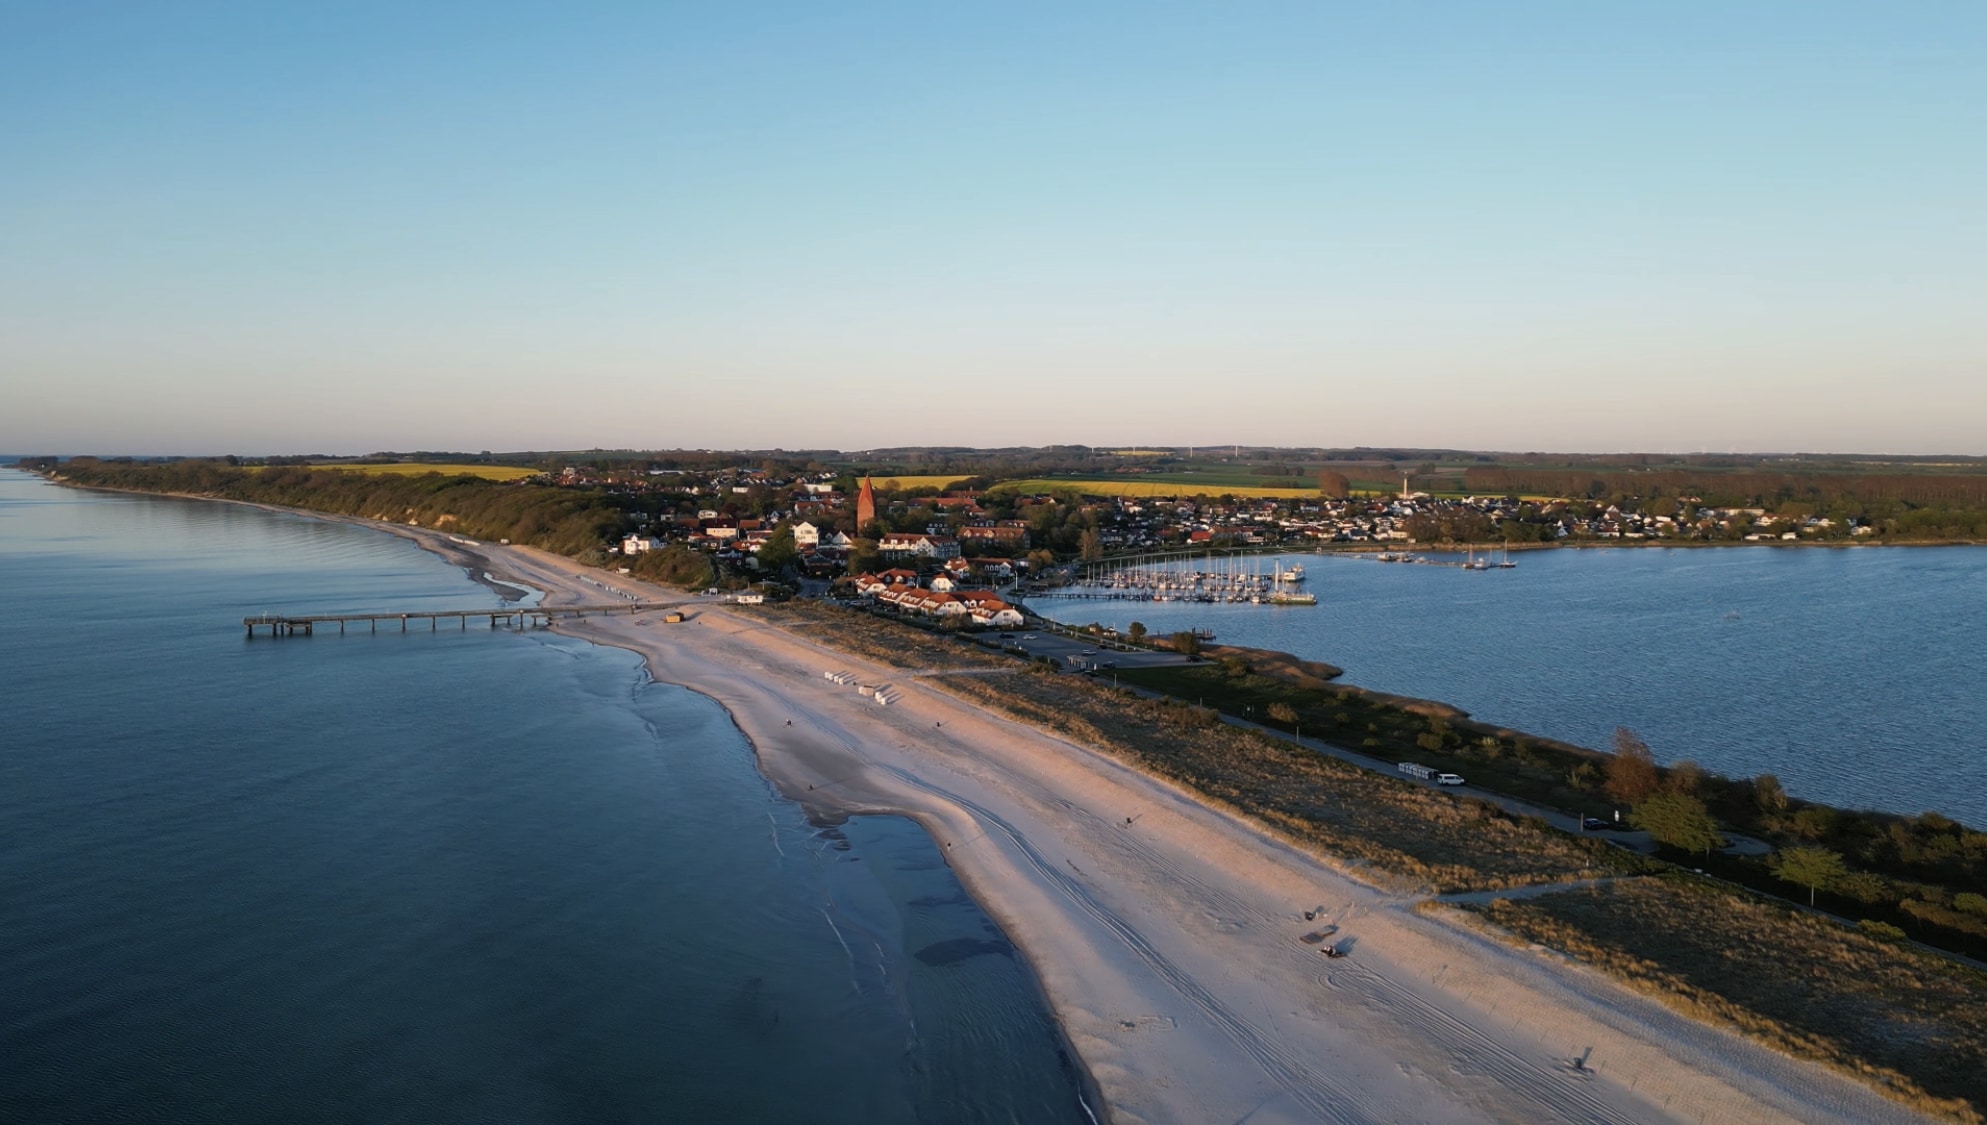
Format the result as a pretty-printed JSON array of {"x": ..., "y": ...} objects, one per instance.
[
  {"x": 1186, "y": 643},
  {"x": 1136, "y": 631},
  {"x": 1678, "y": 820},
  {"x": 1766, "y": 792},
  {"x": 864, "y": 558},
  {"x": 1632, "y": 770},
  {"x": 1813, "y": 868},
  {"x": 1333, "y": 484},
  {"x": 1685, "y": 776},
  {"x": 779, "y": 551},
  {"x": 1091, "y": 545}
]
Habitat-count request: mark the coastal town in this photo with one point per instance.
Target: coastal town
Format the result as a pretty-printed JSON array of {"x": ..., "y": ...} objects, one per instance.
[{"x": 826, "y": 526}]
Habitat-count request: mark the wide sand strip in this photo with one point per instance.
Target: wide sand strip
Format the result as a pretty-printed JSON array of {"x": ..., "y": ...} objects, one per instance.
[{"x": 1166, "y": 934}]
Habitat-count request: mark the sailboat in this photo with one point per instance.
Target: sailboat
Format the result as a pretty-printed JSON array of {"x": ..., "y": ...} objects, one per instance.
[{"x": 1281, "y": 596}]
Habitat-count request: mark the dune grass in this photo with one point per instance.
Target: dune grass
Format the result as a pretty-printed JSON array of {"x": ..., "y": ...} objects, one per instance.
[{"x": 1910, "y": 1023}]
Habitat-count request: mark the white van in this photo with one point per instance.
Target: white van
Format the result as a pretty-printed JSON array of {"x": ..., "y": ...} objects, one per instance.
[{"x": 1448, "y": 779}]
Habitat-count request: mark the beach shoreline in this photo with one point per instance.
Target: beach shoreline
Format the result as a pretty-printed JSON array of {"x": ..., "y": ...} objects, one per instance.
[
  {"x": 1163, "y": 933},
  {"x": 1164, "y": 1024}
]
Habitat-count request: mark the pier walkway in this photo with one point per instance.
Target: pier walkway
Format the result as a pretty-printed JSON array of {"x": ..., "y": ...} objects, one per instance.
[{"x": 514, "y": 617}]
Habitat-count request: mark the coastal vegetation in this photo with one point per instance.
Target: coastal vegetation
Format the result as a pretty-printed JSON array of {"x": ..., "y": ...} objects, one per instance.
[
  {"x": 567, "y": 521},
  {"x": 1925, "y": 874},
  {"x": 1914, "y": 1024}
]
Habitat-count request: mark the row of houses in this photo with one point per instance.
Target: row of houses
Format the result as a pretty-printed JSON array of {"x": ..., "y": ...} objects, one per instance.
[{"x": 981, "y": 607}]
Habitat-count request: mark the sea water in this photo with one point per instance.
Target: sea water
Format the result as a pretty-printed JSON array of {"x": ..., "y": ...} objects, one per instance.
[
  {"x": 1858, "y": 676},
  {"x": 452, "y": 875}
]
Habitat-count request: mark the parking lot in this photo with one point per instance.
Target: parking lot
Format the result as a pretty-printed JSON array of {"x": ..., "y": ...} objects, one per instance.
[{"x": 1078, "y": 654}]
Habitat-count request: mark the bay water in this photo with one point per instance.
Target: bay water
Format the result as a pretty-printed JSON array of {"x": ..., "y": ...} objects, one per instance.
[
  {"x": 1858, "y": 676},
  {"x": 464, "y": 875}
]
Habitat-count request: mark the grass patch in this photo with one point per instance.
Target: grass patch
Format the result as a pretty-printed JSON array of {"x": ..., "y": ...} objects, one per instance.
[
  {"x": 886, "y": 640},
  {"x": 1389, "y": 728},
  {"x": 1912, "y": 1024}
]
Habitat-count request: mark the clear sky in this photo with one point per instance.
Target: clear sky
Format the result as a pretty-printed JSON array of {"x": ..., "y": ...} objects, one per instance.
[{"x": 274, "y": 227}]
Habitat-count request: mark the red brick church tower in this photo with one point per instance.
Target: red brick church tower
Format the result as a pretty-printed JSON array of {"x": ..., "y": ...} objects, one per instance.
[{"x": 865, "y": 506}]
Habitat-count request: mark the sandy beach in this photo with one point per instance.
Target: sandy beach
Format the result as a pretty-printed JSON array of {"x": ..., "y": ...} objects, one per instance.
[{"x": 1166, "y": 935}]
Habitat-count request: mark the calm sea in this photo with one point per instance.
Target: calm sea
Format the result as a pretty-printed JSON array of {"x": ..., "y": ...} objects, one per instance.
[
  {"x": 1857, "y": 676},
  {"x": 456, "y": 876}
]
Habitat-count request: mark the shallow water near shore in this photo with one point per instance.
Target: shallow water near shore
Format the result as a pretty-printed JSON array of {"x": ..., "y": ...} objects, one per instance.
[
  {"x": 459, "y": 875},
  {"x": 1856, "y": 675}
]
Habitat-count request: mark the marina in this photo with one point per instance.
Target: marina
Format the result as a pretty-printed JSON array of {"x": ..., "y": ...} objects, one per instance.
[
  {"x": 1207, "y": 581},
  {"x": 1469, "y": 562}
]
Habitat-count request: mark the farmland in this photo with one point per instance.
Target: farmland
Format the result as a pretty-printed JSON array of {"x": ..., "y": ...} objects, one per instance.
[
  {"x": 1143, "y": 486},
  {"x": 416, "y": 468},
  {"x": 918, "y": 482}
]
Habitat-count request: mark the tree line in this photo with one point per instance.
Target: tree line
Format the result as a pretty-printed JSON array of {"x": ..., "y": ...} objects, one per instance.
[
  {"x": 567, "y": 521},
  {"x": 1734, "y": 489}
]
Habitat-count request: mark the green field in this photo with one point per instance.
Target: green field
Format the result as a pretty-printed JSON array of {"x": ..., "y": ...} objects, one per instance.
[
  {"x": 1226, "y": 476},
  {"x": 416, "y": 468},
  {"x": 1148, "y": 486},
  {"x": 918, "y": 482}
]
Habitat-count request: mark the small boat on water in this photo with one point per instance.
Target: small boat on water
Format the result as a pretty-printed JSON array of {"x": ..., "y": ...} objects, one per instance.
[{"x": 1292, "y": 573}]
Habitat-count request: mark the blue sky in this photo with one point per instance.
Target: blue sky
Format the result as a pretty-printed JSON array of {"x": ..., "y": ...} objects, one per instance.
[{"x": 263, "y": 227}]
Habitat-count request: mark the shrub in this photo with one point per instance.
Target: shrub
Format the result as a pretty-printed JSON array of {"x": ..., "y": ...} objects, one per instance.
[{"x": 1882, "y": 931}]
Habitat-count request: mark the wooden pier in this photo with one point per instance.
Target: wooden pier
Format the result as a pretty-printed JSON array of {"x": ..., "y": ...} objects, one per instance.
[{"x": 512, "y": 617}]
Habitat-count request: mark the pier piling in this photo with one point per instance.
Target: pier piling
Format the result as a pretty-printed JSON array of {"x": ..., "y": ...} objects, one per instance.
[{"x": 538, "y": 617}]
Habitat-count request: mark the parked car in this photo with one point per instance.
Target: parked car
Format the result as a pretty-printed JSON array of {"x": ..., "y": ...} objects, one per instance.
[
  {"x": 1448, "y": 779},
  {"x": 1596, "y": 824}
]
